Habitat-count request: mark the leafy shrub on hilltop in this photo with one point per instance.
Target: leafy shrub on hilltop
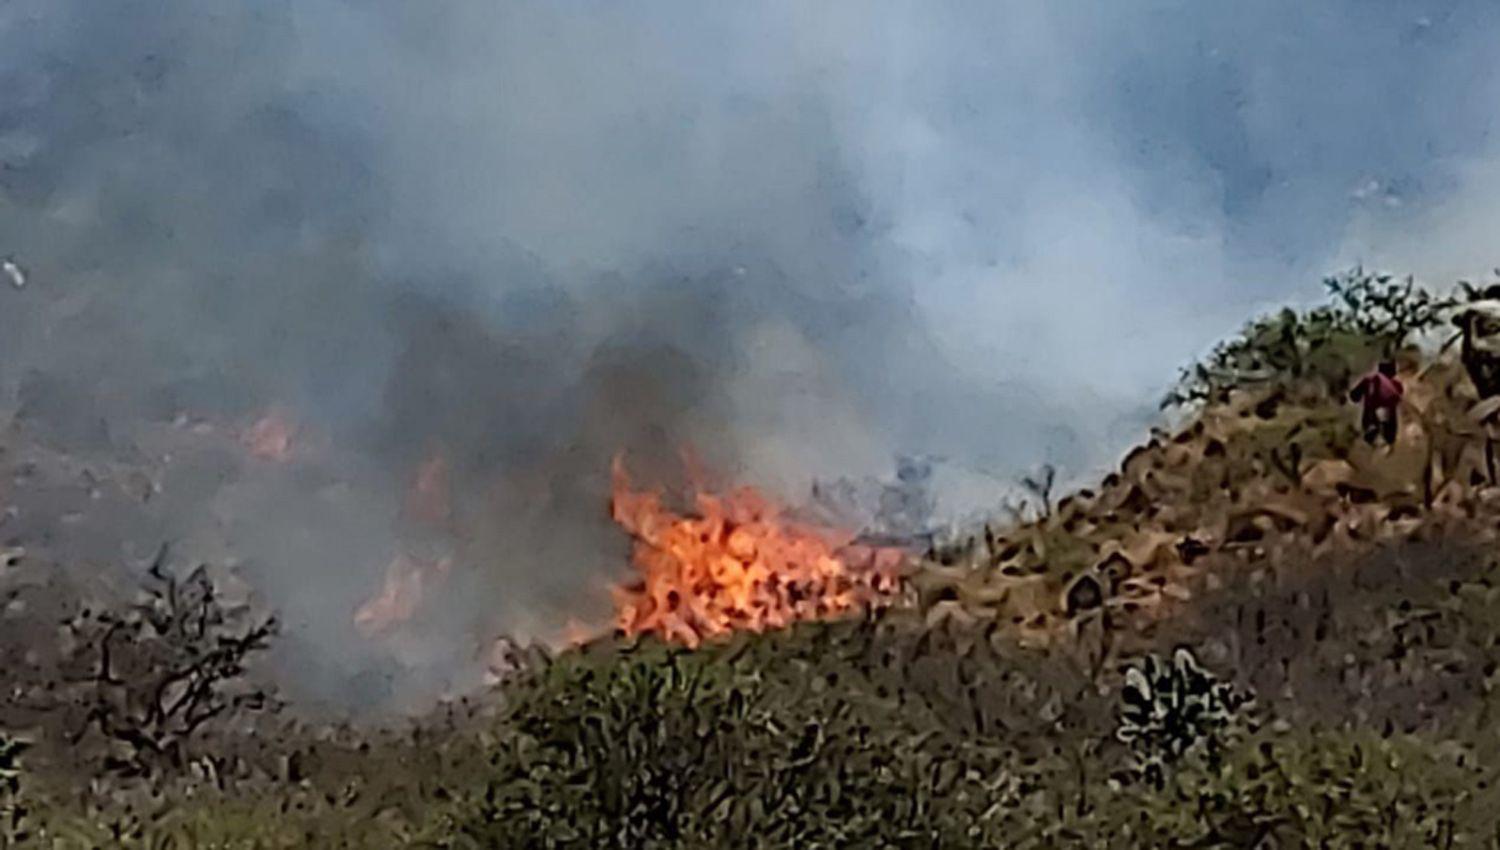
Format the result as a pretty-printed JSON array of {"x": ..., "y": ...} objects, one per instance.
[{"x": 1369, "y": 315}]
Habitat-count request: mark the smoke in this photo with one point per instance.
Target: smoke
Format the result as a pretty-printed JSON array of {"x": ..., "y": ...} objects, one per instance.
[{"x": 800, "y": 237}]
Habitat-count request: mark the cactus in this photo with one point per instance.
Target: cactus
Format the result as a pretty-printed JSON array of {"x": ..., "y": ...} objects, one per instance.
[
  {"x": 1172, "y": 710},
  {"x": 12, "y": 808}
]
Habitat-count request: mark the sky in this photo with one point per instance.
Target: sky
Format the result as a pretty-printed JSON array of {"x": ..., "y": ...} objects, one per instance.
[{"x": 803, "y": 237}]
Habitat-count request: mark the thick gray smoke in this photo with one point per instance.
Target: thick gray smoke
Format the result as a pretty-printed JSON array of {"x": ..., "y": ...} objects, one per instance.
[{"x": 803, "y": 237}]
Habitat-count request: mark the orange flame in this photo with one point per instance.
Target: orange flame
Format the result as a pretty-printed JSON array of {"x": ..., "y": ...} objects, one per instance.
[
  {"x": 429, "y": 501},
  {"x": 741, "y": 563},
  {"x": 406, "y": 580},
  {"x": 270, "y": 438}
]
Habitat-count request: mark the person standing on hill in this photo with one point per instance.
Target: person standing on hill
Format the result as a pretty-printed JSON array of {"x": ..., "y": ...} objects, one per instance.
[{"x": 1381, "y": 393}]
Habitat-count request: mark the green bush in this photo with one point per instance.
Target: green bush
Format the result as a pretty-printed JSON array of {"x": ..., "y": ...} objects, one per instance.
[
  {"x": 874, "y": 735},
  {"x": 1315, "y": 790},
  {"x": 831, "y": 736},
  {"x": 260, "y": 822},
  {"x": 390, "y": 794},
  {"x": 1369, "y": 315}
]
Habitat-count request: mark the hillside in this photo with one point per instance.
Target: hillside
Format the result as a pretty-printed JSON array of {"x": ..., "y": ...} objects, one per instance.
[
  {"x": 1340, "y": 604},
  {"x": 1268, "y": 478}
]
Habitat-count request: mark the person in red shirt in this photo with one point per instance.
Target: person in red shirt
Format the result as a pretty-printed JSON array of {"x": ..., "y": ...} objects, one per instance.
[{"x": 1381, "y": 393}]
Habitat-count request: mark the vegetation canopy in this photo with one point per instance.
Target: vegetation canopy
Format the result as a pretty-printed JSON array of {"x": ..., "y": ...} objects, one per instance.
[{"x": 1368, "y": 316}]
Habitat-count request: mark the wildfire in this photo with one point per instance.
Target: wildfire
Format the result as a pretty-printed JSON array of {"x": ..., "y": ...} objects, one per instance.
[
  {"x": 406, "y": 579},
  {"x": 428, "y": 501},
  {"x": 740, "y": 563},
  {"x": 270, "y": 438}
]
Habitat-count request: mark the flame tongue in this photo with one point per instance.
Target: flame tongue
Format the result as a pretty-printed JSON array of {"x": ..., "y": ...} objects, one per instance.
[
  {"x": 429, "y": 501},
  {"x": 270, "y": 438},
  {"x": 740, "y": 563},
  {"x": 406, "y": 580},
  {"x": 408, "y": 577}
]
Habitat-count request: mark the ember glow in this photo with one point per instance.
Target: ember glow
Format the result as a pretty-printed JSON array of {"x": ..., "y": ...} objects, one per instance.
[
  {"x": 428, "y": 501},
  {"x": 739, "y": 563},
  {"x": 406, "y": 580},
  {"x": 270, "y": 438}
]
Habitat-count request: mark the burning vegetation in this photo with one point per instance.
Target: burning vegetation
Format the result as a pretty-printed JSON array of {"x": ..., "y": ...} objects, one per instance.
[
  {"x": 408, "y": 577},
  {"x": 739, "y": 562},
  {"x": 270, "y": 438},
  {"x": 406, "y": 581},
  {"x": 429, "y": 502}
]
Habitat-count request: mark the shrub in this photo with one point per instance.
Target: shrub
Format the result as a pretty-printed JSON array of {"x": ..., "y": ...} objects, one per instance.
[
  {"x": 155, "y": 674},
  {"x": 828, "y": 736},
  {"x": 1316, "y": 790},
  {"x": 1369, "y": 315},
  {"x": 1383, "y": 308}
]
